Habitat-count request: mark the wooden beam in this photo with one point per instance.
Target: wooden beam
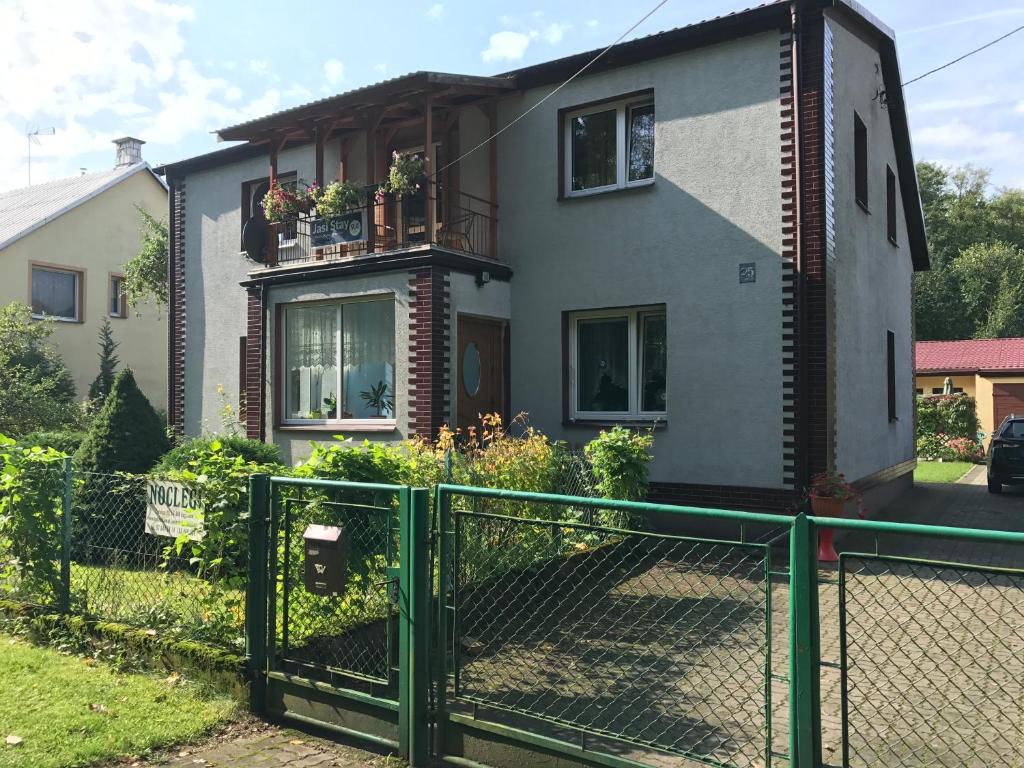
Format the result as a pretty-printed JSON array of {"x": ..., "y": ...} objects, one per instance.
[
  {"x": 320, "y": 133},
  {"x": 428, "y": 154},
  {"x": 492, "y": 172}
]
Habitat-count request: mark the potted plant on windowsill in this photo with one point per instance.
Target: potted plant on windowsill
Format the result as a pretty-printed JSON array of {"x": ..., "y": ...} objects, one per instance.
[
  {"x": 284, "y": 203},
  {"x": 337, "y": 198},
  {"x": 378, "y": 398},
  {"x": 331, "y": 401},
  {"x": 829, "y": 494}
]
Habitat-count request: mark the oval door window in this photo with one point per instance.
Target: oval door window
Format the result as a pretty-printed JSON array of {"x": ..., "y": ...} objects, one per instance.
[{"x": 471, "y": 369}]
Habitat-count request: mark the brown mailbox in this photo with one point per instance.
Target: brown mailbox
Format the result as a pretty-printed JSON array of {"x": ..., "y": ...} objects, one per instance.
[{"x": 326, "y": 559}]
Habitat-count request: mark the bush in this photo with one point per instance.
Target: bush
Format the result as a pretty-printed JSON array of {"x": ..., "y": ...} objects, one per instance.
[
  {"x": 950, "y": 415},
  {"x": 194, "y": 449},
  {"x": 67, "y": 442},
  {"x": 126, "y": 436},
  {"x": 619, "y": 458},
  {"x": 31, "y": 492}
]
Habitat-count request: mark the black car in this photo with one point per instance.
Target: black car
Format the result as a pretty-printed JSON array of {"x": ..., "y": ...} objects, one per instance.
[{"x": 1005, "y": 457}]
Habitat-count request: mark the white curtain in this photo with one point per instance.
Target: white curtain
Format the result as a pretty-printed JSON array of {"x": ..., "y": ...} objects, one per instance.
[
  {"x": 311, "y": 349},
  {"x": 369, "y": 355}
]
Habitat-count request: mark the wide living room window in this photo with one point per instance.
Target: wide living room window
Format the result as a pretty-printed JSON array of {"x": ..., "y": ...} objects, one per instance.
[
  {"x": 617, "y": 360},
  {"x": 56, "y": 293},
  {"x": 339, "y": 362},
  {"x": 609, "y": 146}
]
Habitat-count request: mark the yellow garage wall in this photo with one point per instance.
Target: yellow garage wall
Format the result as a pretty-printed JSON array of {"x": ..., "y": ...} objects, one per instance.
[
  {"x": 99, "y": 237},
  {"x": 988, "y": 421},
  {"x": 986, "y": 408},
  {"x": 966, "y": 381}
]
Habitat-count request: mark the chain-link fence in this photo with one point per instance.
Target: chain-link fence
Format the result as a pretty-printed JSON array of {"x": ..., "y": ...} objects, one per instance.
[
  {"x": 566, "y": 624},
  {"x": 78, "y": 542}
]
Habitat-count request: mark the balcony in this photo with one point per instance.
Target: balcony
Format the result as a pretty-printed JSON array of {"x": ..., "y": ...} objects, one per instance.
[{"x": 462, "y": 224}]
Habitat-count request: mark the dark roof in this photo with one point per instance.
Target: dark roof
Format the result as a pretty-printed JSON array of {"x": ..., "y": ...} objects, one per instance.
[
  {"x": 970, "y": 356},
  {"x": 721, "y": 28}
]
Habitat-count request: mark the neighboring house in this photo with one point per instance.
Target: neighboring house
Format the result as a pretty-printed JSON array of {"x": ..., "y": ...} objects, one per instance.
[
  {"x": 63, "y": 247},
  {"x": 989, "y": 370},
  {"x": 711, "y": 233}
]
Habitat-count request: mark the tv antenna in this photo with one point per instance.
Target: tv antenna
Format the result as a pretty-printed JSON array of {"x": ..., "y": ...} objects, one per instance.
[{"x": 33, "y": 138}]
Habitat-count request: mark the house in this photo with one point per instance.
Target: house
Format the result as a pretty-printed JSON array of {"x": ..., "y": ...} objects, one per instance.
[
  {"x": 989, "y": 370},
  {"x": 63, "y": 247},
  {"x": 710, "y": 233}
]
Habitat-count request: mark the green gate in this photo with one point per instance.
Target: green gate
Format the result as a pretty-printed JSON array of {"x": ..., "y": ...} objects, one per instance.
[{"x": 348, "y": 660}]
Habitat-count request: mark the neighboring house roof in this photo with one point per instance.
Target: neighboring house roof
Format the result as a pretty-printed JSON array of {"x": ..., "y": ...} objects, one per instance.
[
  {"x": 25, "y": 210},
  {"x": 970, "y": 356},
  {"x": 771, "y": 15}
]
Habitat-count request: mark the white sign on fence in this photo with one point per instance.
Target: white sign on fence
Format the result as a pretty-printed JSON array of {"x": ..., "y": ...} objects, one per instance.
[{"x": 172, "y": 509}]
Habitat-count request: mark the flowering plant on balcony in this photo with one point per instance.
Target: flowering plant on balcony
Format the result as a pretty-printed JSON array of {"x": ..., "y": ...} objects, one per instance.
[
  {"x": 282, "y": 203},
  {"x": 337, "y": 198},
  {"x": 406, "y": 176}
]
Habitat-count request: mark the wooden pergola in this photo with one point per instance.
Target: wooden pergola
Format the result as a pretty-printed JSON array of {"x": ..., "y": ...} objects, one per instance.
[{"x": 433, "y": 99}]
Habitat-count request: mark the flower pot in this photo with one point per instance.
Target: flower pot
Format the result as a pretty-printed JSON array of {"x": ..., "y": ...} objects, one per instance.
[{"x": 826, "y": 506}]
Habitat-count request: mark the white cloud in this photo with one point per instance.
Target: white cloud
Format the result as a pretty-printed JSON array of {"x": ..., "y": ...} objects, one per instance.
[
  {"x": 380, "y": 68},
  {"x": 1000, "y": 14},
  {"x": 259, "y": 67},
  {"x": 944, "y": 105},
  {"x": 554, "y": 32},
  {"x": 78, "y": 65},
  {"x": 436, "y": 11},
  {"x": 233, "y": 93},
  {"x": 334, "y": 71},
  {"x": 592, "y": 23},
  {"x": 506, "y": 46}
]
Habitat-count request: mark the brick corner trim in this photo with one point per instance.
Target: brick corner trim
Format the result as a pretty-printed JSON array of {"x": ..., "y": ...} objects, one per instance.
[
  {"x": 778, "y": 500},
  {"x": 429, "y": 353},
  {"x": 176, "y": 308},
  {"x": 255, "y": 365}
]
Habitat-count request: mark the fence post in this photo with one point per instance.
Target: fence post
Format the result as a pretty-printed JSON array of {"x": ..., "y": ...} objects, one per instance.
[
  {"x": 256, "y": 592},
  {"x": 413, "y": 626},
  {"x": 443, "y": 510},
  {"x": 804, "y": 650},
  {"x": 65, "y": 539}
]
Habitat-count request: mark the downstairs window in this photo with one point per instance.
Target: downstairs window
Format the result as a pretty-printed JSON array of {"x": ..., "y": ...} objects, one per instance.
[{"x": 339, "y": 362}]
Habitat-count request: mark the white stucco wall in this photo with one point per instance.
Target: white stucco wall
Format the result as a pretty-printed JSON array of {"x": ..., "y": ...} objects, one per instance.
[
  {"x": 716, "y": 203},
  {"x": 872, "y": 278}
]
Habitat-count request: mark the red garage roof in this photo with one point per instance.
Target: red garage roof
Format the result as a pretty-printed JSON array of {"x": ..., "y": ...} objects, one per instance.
[{"x": 974, "y": 355}]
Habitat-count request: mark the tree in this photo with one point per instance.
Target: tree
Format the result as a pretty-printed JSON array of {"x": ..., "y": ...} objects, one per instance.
[
  {"x": 36, "y": 389},
  {"x": 127, "y": 434},
  {"x": 963, "y": 219},
  {"x": 104, "y": 381},
  {"x": 145, "y": 275}
]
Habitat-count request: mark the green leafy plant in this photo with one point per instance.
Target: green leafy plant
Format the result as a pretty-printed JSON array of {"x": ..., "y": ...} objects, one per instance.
[
  {"x": 190, "y": 452},
  {"x": 31, "y": 491},
  {"x": 36, "y": 388},
  {"x": 378, "y": 398},
  {"x": 338, "y": 197},
  {"x": 284, "y": 202},
  {"x": 145, "y": 274},
  {"x": 104, "y": 381},
  {"x": 619, "y": 458},
  {"x": 949, "y": 415},
  {"x": 62, "y": 441},
  {"x": 405, "y": 176}
]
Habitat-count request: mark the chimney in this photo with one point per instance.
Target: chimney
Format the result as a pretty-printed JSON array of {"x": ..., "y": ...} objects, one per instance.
[{"x": 129, "y": 151}]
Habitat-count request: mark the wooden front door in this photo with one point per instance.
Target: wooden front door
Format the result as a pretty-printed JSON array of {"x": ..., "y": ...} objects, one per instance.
[{"x": 480, "y": 370}]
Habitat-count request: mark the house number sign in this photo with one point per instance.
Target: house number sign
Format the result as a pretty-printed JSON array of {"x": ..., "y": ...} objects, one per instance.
[
  {"x": 345, "y": 228},
  {"x": 748, "y": 273}
]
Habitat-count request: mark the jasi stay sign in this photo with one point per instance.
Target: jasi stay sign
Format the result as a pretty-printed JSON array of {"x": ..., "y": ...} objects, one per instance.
[{"x": 173, "y": 510}]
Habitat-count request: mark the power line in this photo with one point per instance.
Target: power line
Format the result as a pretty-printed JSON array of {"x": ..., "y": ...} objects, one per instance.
[
  {"x": 961, "y": 58},
  {"x": 583, "y": 69}
]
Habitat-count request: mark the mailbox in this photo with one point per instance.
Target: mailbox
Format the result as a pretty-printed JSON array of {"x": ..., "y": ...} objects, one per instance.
[{"x": 326, "y": 559}]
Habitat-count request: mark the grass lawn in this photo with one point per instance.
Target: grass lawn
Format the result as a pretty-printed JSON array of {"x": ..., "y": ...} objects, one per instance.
[
  {"x": 940, "y": 471},
  {"x": 70, "y": 712}
]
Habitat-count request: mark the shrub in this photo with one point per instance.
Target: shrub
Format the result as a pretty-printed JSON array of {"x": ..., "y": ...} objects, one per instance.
[
  {"x": 126, "y": 436},
  {"x": 104, "y": 381},
  {"x": 66, "y": 442},
  {"x": 31, "y": 491},
  {"x": 195, "y": 449},
  {"x": 619, "y": 458},
  {"x": 964, "y": 449},
  {"x": 36, "y": 389},
  {"x": 950, "y": 415}
]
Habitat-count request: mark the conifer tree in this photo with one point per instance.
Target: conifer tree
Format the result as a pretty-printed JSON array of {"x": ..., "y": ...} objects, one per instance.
[{"x": 104, "y": 381}]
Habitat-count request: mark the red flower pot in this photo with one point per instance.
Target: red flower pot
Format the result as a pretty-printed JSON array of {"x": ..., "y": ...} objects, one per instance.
[{"x": 826, "y": 506}]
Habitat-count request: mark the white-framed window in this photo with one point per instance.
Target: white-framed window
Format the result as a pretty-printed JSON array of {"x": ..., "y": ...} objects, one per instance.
[
  {"x": 117, "y": 297},
  {"x": 56, "y": 293},
  {"x": 609, "y": 146},
  {"x": 338, "y": 362},
  {"x": 617, "y": 363}
]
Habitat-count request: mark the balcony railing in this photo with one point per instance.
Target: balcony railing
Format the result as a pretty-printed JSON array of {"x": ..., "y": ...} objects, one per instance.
[{"x": 462, "y": 222}]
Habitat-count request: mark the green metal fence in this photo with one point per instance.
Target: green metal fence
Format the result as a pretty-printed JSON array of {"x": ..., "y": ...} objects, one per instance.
[{"x": 103, "y": 564}]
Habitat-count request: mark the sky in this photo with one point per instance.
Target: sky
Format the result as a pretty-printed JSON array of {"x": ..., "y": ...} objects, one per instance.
[{"x": 171, "y": 72}]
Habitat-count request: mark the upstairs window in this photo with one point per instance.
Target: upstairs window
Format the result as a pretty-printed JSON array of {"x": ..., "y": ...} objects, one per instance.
[
  {"x": 252, "y": 199},
  {"x": 890, "y": 204},
  {"x": 617, "y": 361},
  {"x": 118, "y": 297},
  {"x": 860, "y": 160},
  {"x": 608, "y": 147},
  {"x": 890, "y": 370},
  {"x": 57, "y": 293}
]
